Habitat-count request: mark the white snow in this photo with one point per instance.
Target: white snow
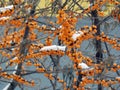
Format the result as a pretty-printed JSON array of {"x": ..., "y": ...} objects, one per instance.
[
  {"x": 4, "y": 18},
  {"x": 16, "y": 65},
  {"x": 12, "y": 49},
  {"x": 15, "y": 69},
  {"x": 53, "y": 47},
  {"x": 91, "y": 4},
  {"x": 6, "y": 87},
  {"x": 15, "y": 58},
  {"x": 60, "y": 27},
  {"x": 2, "y": 9},
  {"x": 43, "y": 25},
  {"x": 53, "y": 29},
  {"x": 77, "y": 34},
  {"x": 84, "y": 66}
]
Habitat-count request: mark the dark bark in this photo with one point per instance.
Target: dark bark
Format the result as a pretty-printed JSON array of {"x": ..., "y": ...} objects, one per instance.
[
  {"x": 13, "y": 84},
  {"x": 23, "y": 44},
  {"x": 79, "y": 79},
  {"x": 96, "y": 21},
  {"x": 26, "y": 33},
  {"x": 99, "y": 54},
  {"x": 23, "y": 52}
]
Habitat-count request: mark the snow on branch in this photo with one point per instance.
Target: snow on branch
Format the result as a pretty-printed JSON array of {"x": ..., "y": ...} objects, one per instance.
[
  {"x": 3, "y": 9},
  {"x": 53, "y": 47},
  {"x": 9, "y": 84},
  {"x": 77, "y": 34},
  {"x": 4, "y": 18},
  {"x": 15, "y": 69},
  {"x": 84, "y": 66}
]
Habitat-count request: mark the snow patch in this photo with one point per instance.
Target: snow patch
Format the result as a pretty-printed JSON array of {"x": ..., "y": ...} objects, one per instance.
[
  {"x": 60, "y": 27},
  {"x": 53, "y": 29},
  {"x": 53, "y": 47},
  {"x": 77, "y": 34},
  {"x": 15, "y": 58},
  {"x": 15, "y": 69},
  {"x": 84, "y": 66},
  {"x": 43, "y": 25},
  {"x": 4, "y": 18},
  {"x": 7, "y": 86},
  {"x": 3, "y": 9}
]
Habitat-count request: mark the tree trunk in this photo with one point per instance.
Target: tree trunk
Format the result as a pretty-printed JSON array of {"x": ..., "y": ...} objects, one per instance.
[
  {"x": 96, "y": 21},
  {"x": 99, "y": 54},
  {"x": 13, "y": 84}
]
